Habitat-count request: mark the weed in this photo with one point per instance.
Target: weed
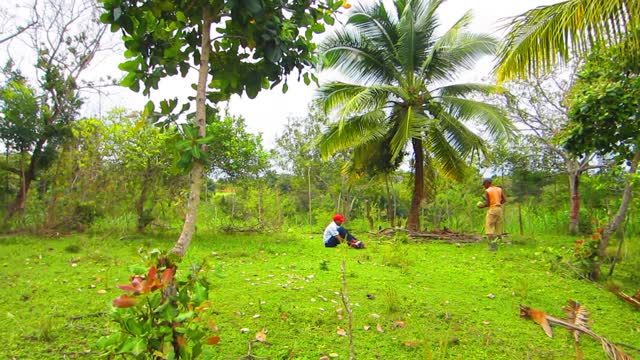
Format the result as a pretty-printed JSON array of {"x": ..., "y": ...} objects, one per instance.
[
  {"x": 73, "y": 249},
  {"x": 392, "y": 302},
  {"x": 324, "y": 265},
  {"x": 45, "y": 330}
]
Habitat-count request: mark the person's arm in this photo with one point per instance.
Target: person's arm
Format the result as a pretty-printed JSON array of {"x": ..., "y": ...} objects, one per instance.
[
  {"x": 341, "y": 239},
  {"x": 486, "y": 201},
  {"x": 503, "y": 198}
]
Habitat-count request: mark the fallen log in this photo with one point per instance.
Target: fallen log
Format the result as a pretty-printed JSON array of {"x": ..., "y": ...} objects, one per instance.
[{"x": 437, "y": 234}]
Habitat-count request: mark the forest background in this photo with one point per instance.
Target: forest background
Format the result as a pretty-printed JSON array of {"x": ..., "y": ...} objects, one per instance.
[{"x": 119, "y": 172}]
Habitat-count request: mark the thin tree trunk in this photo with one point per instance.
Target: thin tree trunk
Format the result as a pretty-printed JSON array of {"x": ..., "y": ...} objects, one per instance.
[
  {"x": 367, "y": 207},
  {"x": 619, "y": 251},
  {"x": 390, "y": 210},
  {"x": 25, "y": 183},
  {"x": 413, "y": 221},
  {"x": 53, "y": 202},
  {"x": 260, "y": 207},
  {"x": 520, "y": 219},
  {"x": 613, "y": 225},
  {"x": 146, "y": 182},
  {"x": 309, "y": 192},
  {"x": 574, "y": 185},
  {"x": 197, "y": 170},
  {"x": 279, "y": 223}
]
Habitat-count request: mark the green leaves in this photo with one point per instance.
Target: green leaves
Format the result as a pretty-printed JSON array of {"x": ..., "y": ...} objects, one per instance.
[
  {"x": 158, "y": 320},
  {"x": 604, "y": 105},
  {"x": 546, "y": 35},
  {"x": 161, "y": 35}
]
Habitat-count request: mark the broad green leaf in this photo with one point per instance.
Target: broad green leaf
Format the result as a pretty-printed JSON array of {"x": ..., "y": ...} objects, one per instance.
[
  {"x": 135, "y": 346},
  {"x": 182, "y": 317}
]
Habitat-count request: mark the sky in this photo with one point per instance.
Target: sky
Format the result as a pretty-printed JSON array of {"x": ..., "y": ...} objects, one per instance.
[{"x": 269, "y": 111}]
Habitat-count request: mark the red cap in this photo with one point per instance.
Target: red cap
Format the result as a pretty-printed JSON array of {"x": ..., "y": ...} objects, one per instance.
[{"x": 338, "y": 217}]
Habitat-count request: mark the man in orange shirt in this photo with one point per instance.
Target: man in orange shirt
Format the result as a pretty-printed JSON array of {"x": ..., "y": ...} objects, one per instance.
[{"x": 494, "y": 200}]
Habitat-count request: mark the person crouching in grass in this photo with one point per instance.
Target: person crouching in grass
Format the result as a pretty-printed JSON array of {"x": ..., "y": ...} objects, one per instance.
[{"x": 335, "y": 234}]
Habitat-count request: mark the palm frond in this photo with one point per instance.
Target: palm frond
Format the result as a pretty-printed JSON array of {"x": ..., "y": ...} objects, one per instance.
[
  {"x": 356, "y": 57},
  {"x": 449, "y": 37},
  {"x": 410, "y": 124},
  {"x": 350, "y": 98},
  {"x": 465, "y": 89},
  {"x": 354, "y": 131},
  {"x": 546, "y": 35},
  {"x": 407, "y": 43},
  {"x": 448, "y": 161},
  {"x": 461, "y": 54},
  {"x": 375, "y": 23},
  {"x": 492, "y": 117},
  {"x": 459, "y": 136}
]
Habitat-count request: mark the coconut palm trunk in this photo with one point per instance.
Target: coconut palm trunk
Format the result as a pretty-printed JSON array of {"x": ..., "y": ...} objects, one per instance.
[{"x": 413, "y": 220}]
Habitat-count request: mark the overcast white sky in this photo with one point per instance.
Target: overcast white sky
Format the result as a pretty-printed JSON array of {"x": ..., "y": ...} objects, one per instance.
[{"x": 268, "y": 112}]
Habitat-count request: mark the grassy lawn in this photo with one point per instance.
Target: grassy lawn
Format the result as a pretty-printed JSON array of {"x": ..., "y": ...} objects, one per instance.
[{"x": 410, "y": 300}]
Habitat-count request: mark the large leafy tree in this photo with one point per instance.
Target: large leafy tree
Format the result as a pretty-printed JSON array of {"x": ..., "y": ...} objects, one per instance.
[
  {"x": 539, "y": 108},
  {"x": 402, "y": 90},
  {"x": 604, "y": 112},
  {"x": 255, "y": 45},
  {"x": 36, "y": 112},
  {"x": 541, "y": 37}
]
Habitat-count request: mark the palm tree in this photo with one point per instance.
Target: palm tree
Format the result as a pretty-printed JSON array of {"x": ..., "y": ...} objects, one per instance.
[
  {"x": 402, "y": 91},
  {"x": 541, "y": 37}
]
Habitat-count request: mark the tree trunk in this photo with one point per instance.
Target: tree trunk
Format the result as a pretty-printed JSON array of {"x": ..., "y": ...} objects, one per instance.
[
  {"x": 367, "y": 207},
  {"x": 390, "y": 212},
  {"x": 521, "y": 226},
  {"x": 309, "y": 192},
  {"x": 51, "y": 218},
  {"x": 574, "y": 185},
  {"x": 25, "y": 182},
  {"x": 197, "y": 170},
  {"x": 413, "y": 221},
  {"x": 146, "y": 183},
  {"x": 613, "y": 225}
]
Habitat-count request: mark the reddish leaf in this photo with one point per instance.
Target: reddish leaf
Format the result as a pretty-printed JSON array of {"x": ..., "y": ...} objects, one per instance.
[
  {"x": 213, "y": 340},
  {"x": 167, "y": 276},
  {"x": 125, "y": 301},
  {"x": 181, "y": 340},
  {"x": 127, "y": 287},
  {"x": 136, "y": 286},
  {"x": 204, "y": 306}
]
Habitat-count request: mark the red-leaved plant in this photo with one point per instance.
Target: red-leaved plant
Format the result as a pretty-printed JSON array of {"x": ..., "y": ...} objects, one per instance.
[{"x": 160, "y": 317}]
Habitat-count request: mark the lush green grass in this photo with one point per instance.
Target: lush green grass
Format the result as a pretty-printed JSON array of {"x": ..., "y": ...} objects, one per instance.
[{"x": 51, "y": 308}]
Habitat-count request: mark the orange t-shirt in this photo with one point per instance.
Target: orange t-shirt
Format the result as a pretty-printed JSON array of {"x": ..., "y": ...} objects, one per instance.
[{"x": 495, "y": 196}]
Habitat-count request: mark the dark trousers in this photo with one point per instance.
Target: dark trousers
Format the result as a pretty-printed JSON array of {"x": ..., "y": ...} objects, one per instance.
[{"x": 333, "y": 242}]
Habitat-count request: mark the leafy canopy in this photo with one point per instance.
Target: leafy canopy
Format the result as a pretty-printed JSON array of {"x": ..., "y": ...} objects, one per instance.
[
  {"x": 605, "y": 105},
  {"x": 258, "y": 43}
]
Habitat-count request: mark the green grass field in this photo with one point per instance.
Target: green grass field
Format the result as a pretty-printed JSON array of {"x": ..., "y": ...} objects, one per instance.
[{"x": 410, "y": 300}]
